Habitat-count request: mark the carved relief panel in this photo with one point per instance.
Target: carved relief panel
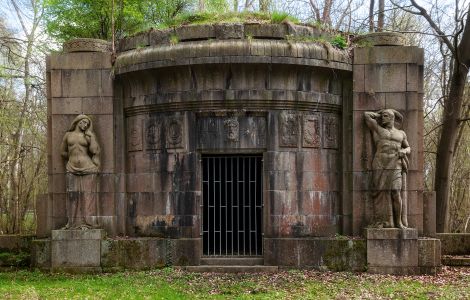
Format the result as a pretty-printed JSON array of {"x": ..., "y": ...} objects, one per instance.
[
  {"x": 174, "y": 132},
  {"x": 153, "y": 134},
  {"x": 231, "y": 130},
  {"x": 134, "y": 133},
  {"x": 330, "y": 131},
  {"x": 288, "y": 129},
  {"x": 311, "y": 130}
]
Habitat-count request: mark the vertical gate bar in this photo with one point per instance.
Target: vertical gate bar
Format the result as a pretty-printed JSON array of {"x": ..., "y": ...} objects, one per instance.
[
  {"x": 238, "y": 205},
  {"x": 208, "y": 206},
  {"x": 260, "y": 215},
  {"x": 213, "y": 206},
  {"x": 256, "y": 209},
  {"x": 231, "y": 197},
  {"x": 226, "y": 206},
  {"x": 249, "y": 202},
  {"x": 244, "y": 200},
  {"x": 220, "y": 205}
]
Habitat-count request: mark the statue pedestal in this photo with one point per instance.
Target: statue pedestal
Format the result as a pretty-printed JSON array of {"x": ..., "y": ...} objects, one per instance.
[
  {"x": 392, "y": 251},
  {"x": 76, "y": 251}
]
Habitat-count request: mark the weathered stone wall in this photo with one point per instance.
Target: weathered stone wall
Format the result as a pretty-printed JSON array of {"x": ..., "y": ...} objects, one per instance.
[
  {"x": 454, "y": 243},
  {"x": 166, "y": 101},
  {"x": 79, "y": 82},
  {"x": 290, "y": 113},
  {"x": 384, "y": 77}
]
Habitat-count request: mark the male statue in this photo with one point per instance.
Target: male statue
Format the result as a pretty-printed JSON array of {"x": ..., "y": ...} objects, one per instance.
[{"x": 389, "y": 168}]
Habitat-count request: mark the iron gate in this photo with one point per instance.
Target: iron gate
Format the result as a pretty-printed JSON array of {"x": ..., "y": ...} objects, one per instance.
[{"x": 232, "y": 205}]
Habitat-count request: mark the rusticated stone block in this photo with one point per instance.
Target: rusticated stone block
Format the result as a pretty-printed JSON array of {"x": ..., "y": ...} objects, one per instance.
[
  {"x": 385, "y": 78},
  {"x": 133, "y": 42},
  {"x": 323, "y": 253},
  {"x": 80, "y": 60},
  {"x": 76, "y": 250},
  {"x": 160, "y": 37},
  {"x": 229, "y": 31},
  {"x": 429, "y": 255},
  {"x": 197, "y": 32},
  {"x": 454, "y": 243},
  {"x": 41, "y": 254},
  {"x": 429, "y": 213},
  {"x": 43, "y": 209},
  {"x": 184, "y": 252},
  {"x": 133, "y": 254},
  {"x": 392, "y": 251},
  {"x": 86, "y": 45},
  {"x": 66, "y": 106},
  {"x": 391, "y": 234},
  {"x": 388, "y": 55}
]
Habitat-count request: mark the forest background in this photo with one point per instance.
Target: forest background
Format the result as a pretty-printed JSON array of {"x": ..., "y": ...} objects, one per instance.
[{"x": 31, "y": 29}]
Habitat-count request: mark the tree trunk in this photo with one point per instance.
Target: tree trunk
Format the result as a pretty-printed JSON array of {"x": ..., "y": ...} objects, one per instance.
[
  {"x": 381, "y": 16},
  {"x": 326, "y": 16},
  {"x": 450, "y": 125},
  {"x": 264, "y": 5},
  {"x": 371, "y": 15}
]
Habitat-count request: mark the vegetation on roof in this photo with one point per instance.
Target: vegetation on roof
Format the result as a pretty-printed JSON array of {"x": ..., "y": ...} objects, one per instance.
[{"x": 228, "y": 17}]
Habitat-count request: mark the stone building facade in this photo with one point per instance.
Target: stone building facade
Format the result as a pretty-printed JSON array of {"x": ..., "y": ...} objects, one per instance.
[{"x": 238, "y": 140}]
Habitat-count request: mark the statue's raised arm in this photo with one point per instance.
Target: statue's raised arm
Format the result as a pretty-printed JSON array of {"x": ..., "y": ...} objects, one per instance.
[{"x": 371, "y": 121}]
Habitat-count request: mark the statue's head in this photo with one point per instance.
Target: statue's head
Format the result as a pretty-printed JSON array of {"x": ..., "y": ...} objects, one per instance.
[
  {"x": 83, "y": 122},
  {"x": 388, "y": 116}
]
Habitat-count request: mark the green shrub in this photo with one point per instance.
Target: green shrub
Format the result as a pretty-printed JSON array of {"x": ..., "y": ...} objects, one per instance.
[
  {"x": 279, "y": 17},
  {"x": 339, "y": 41}
]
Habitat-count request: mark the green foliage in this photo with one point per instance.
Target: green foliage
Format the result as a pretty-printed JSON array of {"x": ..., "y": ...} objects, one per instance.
[
  {"x": 66, "y": 19},
  {"x": 174, "y": 39},
  {"x": 213, "y": 17},
  {"x": 13, "y": 259},
  {"x": 339, "y": 41},
  {"x": 280, "y": 17}
]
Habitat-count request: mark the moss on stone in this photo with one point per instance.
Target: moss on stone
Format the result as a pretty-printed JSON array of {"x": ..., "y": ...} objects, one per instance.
[
  {"x": 345, "y": 254},
  {"x": 229, "y": 17},
  {"x": 15, "y": 259}
]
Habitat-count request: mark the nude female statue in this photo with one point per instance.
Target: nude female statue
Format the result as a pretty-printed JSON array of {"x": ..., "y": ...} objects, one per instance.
[
  {"x": 81, "y": 150},
  {"x": 389, "y": 167}
]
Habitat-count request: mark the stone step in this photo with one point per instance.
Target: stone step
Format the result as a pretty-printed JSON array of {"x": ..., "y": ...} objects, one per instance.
[
  {"x": 231, "y": 269},
  {"x": 232, "y": 261},
  {"x": 456, "y": 260}
]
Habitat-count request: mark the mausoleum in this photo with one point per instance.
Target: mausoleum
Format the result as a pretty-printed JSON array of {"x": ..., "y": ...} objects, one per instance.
[{"x": 236, "y": 144}]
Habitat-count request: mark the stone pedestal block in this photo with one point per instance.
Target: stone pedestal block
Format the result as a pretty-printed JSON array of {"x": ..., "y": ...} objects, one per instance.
[
  {"x": 429, "y": 219},
  {"x": 76, "y": 251},
  {"x": 392, "y": 251},
  {"x": 429, "y": 255}
]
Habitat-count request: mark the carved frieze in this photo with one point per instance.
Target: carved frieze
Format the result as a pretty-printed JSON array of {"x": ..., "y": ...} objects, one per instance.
[
  {"x": 232, "y": 130},
  {"x": 134, "y": 135},
  {"x": 330, "y": 131},
  {"x": 288, "y": 129},
  {"x": 153, "y": 134},
  {"x": 311, "y": 130},
  {"x": 174, "y": 132}
]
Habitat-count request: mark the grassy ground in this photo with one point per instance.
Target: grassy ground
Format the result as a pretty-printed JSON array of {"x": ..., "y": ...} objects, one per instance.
[{"x": 452, "y": 283}]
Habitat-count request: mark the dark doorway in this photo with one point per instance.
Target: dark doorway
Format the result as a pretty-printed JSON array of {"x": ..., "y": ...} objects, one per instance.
[{"x": 232, "y": 205}]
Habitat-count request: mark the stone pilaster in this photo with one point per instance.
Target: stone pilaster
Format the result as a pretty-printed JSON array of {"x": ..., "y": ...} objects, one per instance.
[
  {"x": 79, "y": 81},
  {"x": 386, "y": 75}
]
